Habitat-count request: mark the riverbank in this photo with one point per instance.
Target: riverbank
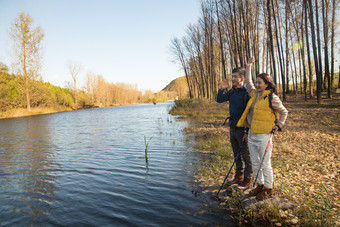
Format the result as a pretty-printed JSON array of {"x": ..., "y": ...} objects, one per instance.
[
  {"x": 23, "y": 112},
  {"x": 305, "y": 161}
]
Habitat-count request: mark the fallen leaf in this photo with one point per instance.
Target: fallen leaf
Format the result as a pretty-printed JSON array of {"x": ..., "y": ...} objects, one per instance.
[{"x": 294, "y": 221}]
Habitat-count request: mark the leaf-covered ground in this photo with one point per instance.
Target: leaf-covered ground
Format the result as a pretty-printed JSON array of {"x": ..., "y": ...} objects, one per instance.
[{"x": 305, "y": 156}]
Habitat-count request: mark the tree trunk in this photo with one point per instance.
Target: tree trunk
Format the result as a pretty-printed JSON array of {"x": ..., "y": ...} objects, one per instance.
[
  {"x": 270, "y": 34},
  {"x": 27, "y": 90},
  {"x": 294, "y": 89},
  {"x": 287, "y": 39},
  {"x": 316, "y": 60},
  {"x": 279, "y": 53},
  {"x": 221, "y": 42},
  {"x": 325, "y": 3},
  {"x": 295, "y": 70},
  {"x": 332, "y": 44},
  {"x": 308, "y": 51},
  {"x": 339, "y": 78},
  {"x": 318, "y": 44},
  {"x": 302, "y": 52}
]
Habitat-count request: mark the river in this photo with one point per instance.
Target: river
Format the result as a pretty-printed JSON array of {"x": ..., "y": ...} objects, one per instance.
[{"x": 88, "y": 168}]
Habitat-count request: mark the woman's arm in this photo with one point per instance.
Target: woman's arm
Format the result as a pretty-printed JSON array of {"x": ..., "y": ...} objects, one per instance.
[
  {"x": 278, "y": 106},
  {"x": 249, "y": 82}
]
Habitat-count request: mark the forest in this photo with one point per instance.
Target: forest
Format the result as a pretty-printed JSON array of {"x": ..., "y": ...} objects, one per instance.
[
  {"x": 97, "y": 93},
  {"x": 295, "y": 41}
]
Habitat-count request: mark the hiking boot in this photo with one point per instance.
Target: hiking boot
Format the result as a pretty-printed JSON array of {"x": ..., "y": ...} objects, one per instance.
[
  {"x": 256, "y": 190},
  {"x": 266, "y": 193},
  {"x": 245, "y": 184},
  {"x": 237, "y": 179}
]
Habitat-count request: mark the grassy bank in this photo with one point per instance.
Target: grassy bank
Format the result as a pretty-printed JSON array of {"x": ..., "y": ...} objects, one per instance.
[
  {"x": 23, "y": 112},
  {"x": 305, "y": 160}
]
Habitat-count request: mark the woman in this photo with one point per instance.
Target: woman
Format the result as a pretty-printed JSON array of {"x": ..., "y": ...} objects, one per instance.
[{"x": 259, "y": 116}]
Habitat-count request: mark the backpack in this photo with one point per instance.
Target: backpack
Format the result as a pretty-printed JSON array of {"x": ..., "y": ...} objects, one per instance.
[{"x": 270, "y": 98}]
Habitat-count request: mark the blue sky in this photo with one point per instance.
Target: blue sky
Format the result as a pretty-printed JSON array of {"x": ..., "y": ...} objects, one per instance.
[{"x": 124, "y": 41}]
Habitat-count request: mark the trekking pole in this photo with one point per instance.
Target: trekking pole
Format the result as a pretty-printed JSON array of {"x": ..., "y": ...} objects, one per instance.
[
  {"x": 272, "y": 133},
  {"x": 229, "y": 171}
]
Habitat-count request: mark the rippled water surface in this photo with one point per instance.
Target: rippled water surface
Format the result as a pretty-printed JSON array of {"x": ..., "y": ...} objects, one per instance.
[{"x": 87, "y": 168}]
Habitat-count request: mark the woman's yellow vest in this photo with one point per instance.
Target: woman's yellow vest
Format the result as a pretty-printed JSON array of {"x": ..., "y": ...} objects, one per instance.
[{"x": 263, "y": 116}]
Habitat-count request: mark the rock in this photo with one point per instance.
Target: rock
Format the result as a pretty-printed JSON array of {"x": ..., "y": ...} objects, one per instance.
[{"x": 251, "y": 203}]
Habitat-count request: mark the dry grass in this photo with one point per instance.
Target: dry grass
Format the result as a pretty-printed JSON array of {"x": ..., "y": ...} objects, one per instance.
[
  {"x": 22, "y": 112},
  {"x": 305, "y": 157}
]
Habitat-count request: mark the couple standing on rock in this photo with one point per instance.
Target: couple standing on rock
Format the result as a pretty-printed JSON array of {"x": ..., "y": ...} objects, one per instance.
[{"x": 252, "y": 118}]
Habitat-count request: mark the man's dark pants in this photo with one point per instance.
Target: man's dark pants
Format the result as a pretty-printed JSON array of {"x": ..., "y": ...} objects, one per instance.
[{"x": 243, "y": 163}]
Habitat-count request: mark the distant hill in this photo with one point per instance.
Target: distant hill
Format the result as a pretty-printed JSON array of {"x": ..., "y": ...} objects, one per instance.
[{"x": 179, "y": 86}]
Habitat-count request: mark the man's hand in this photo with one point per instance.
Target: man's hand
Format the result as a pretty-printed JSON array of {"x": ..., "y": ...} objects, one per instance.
[
  {"x": 225, "y": 84},
  {"x": 245, "y": 138}
]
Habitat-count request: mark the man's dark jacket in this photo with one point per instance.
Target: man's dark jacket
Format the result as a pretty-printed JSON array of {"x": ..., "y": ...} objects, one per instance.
[{"x": 238, "y": 98}]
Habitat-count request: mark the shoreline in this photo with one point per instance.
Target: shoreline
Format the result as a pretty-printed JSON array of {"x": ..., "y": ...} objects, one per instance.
[
  {"x": 22, "y": 112},
  {"x": 305, "y": 161}
]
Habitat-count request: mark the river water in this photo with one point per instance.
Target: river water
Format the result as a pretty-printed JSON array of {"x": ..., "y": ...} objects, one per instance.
[{"x": 88, "y": 168}]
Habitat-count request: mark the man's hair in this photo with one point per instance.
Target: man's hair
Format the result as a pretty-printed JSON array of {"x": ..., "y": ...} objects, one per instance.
[{"x": 240, "y": 70}]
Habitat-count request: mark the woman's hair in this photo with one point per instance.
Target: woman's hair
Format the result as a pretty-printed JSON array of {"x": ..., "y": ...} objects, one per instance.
[{"x": 268, "y": 80}]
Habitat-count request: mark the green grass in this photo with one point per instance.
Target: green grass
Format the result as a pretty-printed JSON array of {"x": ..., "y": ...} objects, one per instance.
[
  {"x": 317, "y": 212},
  {"x": 147, "y": 145}
]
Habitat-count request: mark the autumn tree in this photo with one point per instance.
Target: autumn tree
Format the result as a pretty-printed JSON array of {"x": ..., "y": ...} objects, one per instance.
[
  {"x": 26, "y": 51},
  {"x": 177, "y": 51},
  {"x": 74, "y": 69},
  {"x": 90, "y": 85},
  {"x": 293, "y": 40},
  {"x": 3, "y": 67}
]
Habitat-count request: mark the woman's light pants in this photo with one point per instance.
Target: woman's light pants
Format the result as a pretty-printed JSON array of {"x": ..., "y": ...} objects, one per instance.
[{"x": 257, "y": 143}]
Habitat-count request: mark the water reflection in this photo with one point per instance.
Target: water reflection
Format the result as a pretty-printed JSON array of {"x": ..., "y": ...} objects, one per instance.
[
  {"x": 27, "y": 167},
  {"x": 88, "y": 167}
]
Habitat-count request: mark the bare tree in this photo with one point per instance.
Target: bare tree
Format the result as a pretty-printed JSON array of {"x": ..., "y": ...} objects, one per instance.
[
  {"x": 219, "y": 24},
  {"x": 332, "y": 43},
  {"x": 177, "y": 50},
  {"x": 90, "y": 85},
  {"x": 270, "y": 34},
  {"x": 27, "y": 51},
  {"x": 318, "y": 45},
  {"x": 325, "y": 4},
  {"x": 308, "y": 50},
  {"x": 279, "y": 53},
  {"x": 315, "y": 53},
  {"x": 226, "y": 35},
  {"x": 74, "y": 69}
]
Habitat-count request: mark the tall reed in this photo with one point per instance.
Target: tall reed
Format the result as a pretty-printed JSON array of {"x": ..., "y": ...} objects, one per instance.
[{"x": 146, "y": 143}]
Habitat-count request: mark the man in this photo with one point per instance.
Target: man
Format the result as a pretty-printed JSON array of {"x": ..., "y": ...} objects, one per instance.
[{"x": 238, "y": 98}]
